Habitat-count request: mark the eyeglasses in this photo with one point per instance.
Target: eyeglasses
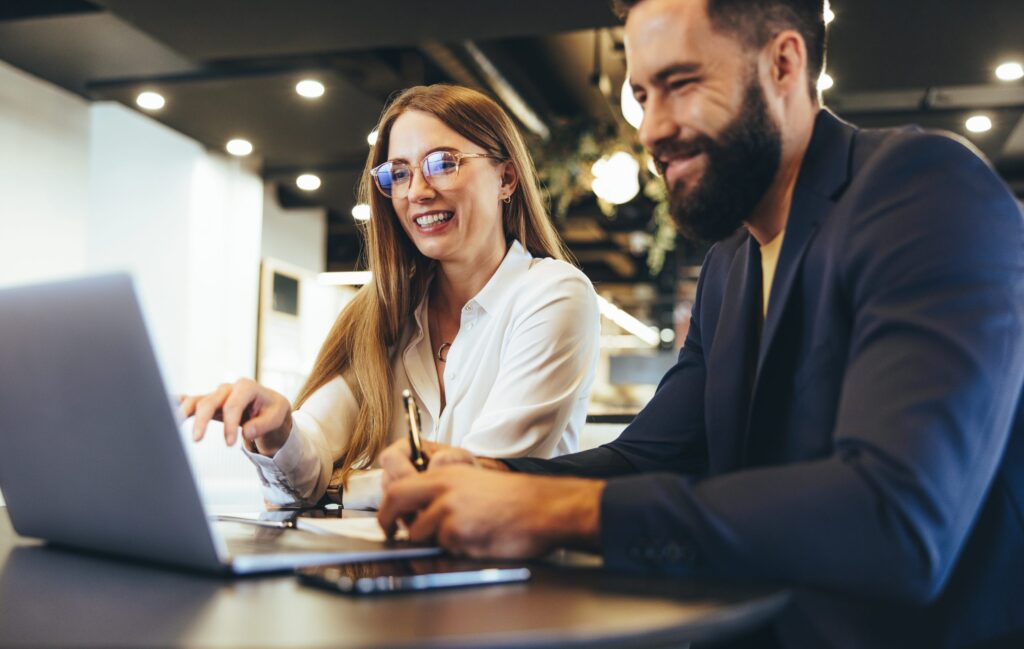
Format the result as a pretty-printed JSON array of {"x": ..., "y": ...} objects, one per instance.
[{"x": 440, "y": 168}]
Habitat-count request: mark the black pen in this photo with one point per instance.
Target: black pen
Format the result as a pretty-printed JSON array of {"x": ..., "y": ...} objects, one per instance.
[{"x": 412, "y": 414}]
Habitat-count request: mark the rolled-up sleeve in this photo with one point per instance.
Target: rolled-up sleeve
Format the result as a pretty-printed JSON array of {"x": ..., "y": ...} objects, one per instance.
[{"x": 300, "y": 471}]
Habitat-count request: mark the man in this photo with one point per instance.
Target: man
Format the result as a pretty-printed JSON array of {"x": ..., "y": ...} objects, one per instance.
[{"x": 844, "y": 420}]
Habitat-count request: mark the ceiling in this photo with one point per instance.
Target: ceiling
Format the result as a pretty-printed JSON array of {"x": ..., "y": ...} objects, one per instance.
[{"x": 228, "y": 69}]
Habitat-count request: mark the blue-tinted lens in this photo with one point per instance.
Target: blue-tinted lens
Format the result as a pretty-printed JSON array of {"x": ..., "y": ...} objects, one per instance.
[
  {"x": 384, "y": 179},
  {"x": 392, "y": 174},
  {"x": 439, "y": 163}
]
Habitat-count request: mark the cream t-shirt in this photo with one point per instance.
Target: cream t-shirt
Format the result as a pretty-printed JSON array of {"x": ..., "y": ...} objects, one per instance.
[{"x": 769, "y": 260}]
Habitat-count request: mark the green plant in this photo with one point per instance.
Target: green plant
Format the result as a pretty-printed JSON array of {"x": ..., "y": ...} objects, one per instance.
[{"x": 564, "y": 164}]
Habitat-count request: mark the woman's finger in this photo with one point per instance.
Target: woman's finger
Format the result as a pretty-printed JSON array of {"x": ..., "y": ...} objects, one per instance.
[
  {"x": 240, "y": 398},
  {"x": 206, "y": 409},
  {"x": 187, "y": 406}
]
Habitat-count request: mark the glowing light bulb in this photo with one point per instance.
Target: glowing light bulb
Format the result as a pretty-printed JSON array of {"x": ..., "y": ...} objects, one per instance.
[
  {"x": 632, "y": 111},
  {"x": 616, "y": 178},
  {"x": 150, "y": 100},
  {"x": 239, "y": 147},
  {"x": 1010, "y": 71},
  {"x": 308, "y": 182},
  {"x": 978, "y": 124},
  {"x": 361, "y": 212},
  {"x": 310, "y": 88}
]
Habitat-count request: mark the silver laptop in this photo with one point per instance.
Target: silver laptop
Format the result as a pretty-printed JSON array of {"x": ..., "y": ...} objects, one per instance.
[{"x": 91, "y": 456}]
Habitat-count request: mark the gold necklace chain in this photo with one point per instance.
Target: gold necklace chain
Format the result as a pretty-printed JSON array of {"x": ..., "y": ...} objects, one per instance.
[{"x": 441, "y": 355}]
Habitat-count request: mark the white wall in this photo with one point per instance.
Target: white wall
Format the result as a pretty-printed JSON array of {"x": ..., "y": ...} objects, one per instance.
[
  {"x": 91, "y": 188},
  {"x": 186, "y": 223},
  {"x": 44, "y": 179},
  {"x": 295, "y": 236}
]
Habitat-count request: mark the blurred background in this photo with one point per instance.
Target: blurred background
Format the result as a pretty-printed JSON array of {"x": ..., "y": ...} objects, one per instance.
[{"x": 213, "y": 149}]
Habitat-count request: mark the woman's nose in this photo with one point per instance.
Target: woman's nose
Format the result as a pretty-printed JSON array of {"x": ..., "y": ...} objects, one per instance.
[{"x": 419, "y": 188}]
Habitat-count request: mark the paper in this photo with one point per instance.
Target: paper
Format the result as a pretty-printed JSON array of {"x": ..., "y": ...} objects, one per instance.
[{"x": 366, "y": 528}]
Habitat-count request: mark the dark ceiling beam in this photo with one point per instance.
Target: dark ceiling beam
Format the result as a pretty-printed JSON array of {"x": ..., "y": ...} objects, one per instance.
[
  {"x": 937, "y": 98},
  {"x": 22, "y": 9},
  {"x": 71, "y": 50},
  {"x": 467, "y": 65},
  {"x": 366, "y": 71},
  {"x": 215, "y": 29},
  {"x": 206, "y": 74},
  {"x": 353, "y": 164},
  {"x": 1014, "y": 146},
  {"x": 509, "y": 96},
  {"x": 448, "y": 61}
]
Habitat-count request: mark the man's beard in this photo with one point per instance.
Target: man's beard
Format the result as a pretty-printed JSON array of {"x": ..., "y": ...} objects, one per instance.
[{"x": 741, "y": 164}]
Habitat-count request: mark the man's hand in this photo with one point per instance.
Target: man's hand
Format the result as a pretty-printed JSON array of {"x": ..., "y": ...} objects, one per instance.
[
  {"x": 396, "y": 462},
  {"x": 480, "y": 513}
]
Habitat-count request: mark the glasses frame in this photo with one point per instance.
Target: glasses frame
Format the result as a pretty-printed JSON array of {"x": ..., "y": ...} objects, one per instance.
[{"x": 458, "y": 155}]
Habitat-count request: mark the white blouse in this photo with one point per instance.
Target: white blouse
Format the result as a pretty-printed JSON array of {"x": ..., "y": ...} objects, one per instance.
[{"x": 517, "y": 380}]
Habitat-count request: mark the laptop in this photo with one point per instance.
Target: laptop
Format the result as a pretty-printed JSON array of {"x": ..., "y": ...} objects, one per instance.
[{"x": 91, "y": 456}]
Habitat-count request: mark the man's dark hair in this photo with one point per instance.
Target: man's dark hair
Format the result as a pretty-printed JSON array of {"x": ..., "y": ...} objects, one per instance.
[{"x": 755, "y": 22}]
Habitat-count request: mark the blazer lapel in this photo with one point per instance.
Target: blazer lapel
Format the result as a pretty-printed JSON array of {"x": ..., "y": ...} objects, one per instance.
[
  {"x": 823, "y": 175},
  {"x": 730, "y": 366}
]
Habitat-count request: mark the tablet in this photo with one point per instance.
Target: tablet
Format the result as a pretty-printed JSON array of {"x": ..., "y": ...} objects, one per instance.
[{"x": 381, "y": 577}]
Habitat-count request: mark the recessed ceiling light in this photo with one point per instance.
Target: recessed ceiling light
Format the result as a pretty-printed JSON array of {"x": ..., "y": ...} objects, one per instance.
[
  {"x": 978, "y": 124},
  {"x": 239, "y": 147},
  {"x": 825, "y": 81},
  {"x": 829, "y": 14},
  {"x": 361, "y": 212},
  {"x": 1010, "y": 71},
  {"x": 310, "y": 88},
  {"x": 150, "y": 100},
  {"x": 308, "y": 182},
  {"x": 371, "y": 139}
]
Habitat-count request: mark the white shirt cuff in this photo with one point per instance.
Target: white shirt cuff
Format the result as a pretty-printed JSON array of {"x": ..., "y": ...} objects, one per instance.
[
  {"x": 286, "y": 477},
  {"x": 363, "y": 490}
]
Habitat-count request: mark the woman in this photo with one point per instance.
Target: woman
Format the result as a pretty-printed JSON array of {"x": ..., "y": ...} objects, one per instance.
[{"x": 472, "y": 307}]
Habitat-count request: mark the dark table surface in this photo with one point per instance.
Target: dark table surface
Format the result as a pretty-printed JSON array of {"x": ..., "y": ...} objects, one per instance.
[{"x": 58, "y": 598}]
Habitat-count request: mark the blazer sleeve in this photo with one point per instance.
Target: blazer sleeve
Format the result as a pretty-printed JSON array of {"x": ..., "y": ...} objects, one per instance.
[
  {"x": 667, "y": 435},
  {"x": 934, "y": 273}
]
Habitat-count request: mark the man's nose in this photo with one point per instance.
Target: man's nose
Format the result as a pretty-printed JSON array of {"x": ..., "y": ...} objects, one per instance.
[{"x": 657, "y": 125}]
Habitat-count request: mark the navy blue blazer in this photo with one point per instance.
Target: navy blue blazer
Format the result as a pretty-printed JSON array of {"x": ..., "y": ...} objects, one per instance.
[{"x": 864, "y": 445}]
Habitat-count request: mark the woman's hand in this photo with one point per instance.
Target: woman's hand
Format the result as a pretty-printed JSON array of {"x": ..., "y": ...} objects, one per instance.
[{"x": 265, "y": 417}]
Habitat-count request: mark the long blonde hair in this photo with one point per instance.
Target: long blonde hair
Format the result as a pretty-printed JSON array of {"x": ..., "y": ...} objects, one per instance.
[{"x": 359, "y": 344}]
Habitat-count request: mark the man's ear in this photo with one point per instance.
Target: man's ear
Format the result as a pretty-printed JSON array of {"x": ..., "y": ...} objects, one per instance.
[{"x": 787, "y": 54}]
